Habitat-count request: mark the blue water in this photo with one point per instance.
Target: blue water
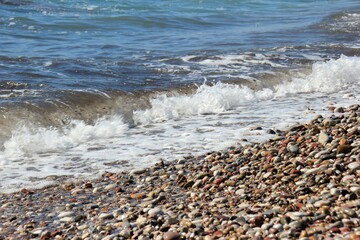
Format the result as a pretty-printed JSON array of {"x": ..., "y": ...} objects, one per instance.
[
  {"x": 119, "y": 44},
  {"x": 89, "y": 86}
]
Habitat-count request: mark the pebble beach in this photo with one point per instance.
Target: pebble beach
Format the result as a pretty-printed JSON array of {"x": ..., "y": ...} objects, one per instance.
[{"x": 304, "y": 183}]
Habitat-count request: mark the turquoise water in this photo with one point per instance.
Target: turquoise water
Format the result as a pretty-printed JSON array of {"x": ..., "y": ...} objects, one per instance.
[{"x": 89, "y": 86}]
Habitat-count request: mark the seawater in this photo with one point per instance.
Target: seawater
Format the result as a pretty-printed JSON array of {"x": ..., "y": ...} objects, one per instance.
[{"x": 94, "y": 86}]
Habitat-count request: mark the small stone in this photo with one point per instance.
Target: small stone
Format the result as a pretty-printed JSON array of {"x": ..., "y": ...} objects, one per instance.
[
  {"x": 329, "y": 122},
  {"x": 266, "y": 175},
  {"x": 141, "y": 220},
  {"x": 67, "y": 219},
  {"x": 347, "y": 178},
  {"x": 349, "y": 212},
  {"x": 172, "y": 221},
  {"x": 354, "y": 166},
  {"x": 300, "y": 183},
  {"x": 26, "y": 191},
  {"x": 291, "y": 147},
  {"x": 230, "y": 183},
  {"x": 88, "y": 185},
  {"x": 296, "y": 215},
  {"x": 137, "y": 171},
  {"x": 104, "y": 216},
  {"x": 295, "y": 225},
  {"x": 110, "y": 186},
  {"x": 45, "y": 235},
  {"x": 266, "y": 226},
  {"x": 171, "y": 236},
  {"x": 343, "y": 141},
  {"x": 66, "y": 214},
  {"x": 257, "y": 221},
  {"x": 125, "y": 233},
  {"x": 335, "y": 191},
  {"x": 321, "y": 203},
  {"x": 37, "y": 231},
  {"x": 323, "y": 138},
  {"x": 154, "y": 212},
  {"x": 68, "y": 186},
  {"x": 355, "y": 189},
  {"x": 334, "y": 230},
  {"x": 339, "y": 110},
  {"x": 343, "y": 149},
  {"x": 82, "y": 227},
  {"x": 255, "y": 128},
  {"x": 137, "y": 195},
  {"x": 197, "y": 184},
  {"x": 185, "y": 223},
  {"x": 270, "y": 131}
]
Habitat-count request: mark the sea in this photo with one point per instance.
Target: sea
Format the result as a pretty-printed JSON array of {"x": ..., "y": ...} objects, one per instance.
[{"x": 89, "y": 86}]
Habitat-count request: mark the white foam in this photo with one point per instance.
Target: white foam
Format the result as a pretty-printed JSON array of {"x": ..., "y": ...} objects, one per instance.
[
  {"x": 28, "y": 139},
  {"x": 328, "y": 76},
  {"x": 325, "y": 77},
  {"x": 207, "y": 99},
  {"x": 231, "y": 59}
]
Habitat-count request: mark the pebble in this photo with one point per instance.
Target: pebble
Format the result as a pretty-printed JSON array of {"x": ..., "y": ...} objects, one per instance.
[
  {"x": 349, "y": 212},
  {"x": 323, "y": 138},
  {"x": 137, "y": 171},
  {"x": 354, "y": 166},
  {"x": 67, "y": 219},
  {"x": 110, "y": 186},
  {"x": 296, "y": 215},
  {"x": 335, "y": 191},
  {"x": 141, "y": 220},
  {"x": 137, "y": 195},
  {"x": 343, "y": 149},
  {"x": 171, "y": 236},
  {"x": 83, "y": 227},
  {"x": 154, "y": 212},
  {"x": 66, "y": 214},
  {"x": 293, "y": 148},
  {"x": 104, "y": 216}
]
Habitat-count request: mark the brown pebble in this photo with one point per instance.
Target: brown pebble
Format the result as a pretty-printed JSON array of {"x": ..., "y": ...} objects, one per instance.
[
  {"x": 171, "y": 236},
  {"x": 118, "y": 190},
  {"x": 257, "y": 221},
  {"x": 137, "y": 195},
  {"x": 334, "y": 230},
  {"x": 343, "y": 141},
  {"x": 343, "y": 149},
  {"x": 26, "y": 191},
  {"x": 218, "y": 181}
]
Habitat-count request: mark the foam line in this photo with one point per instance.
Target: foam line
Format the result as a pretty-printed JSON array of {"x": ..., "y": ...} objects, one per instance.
[
  {"x": 38, "y": 139},
  {"x": 325, "y": 77}
]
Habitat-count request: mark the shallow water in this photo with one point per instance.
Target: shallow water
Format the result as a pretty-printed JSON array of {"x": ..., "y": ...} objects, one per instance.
[{"x": 97, "y": 86}]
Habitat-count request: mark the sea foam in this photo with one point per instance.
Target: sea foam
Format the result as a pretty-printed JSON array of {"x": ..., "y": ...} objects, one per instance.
[
  {"x": 27, "y": 139},
  {"x": 180, "y": 125},
  {"x": 326, "y": 77}
]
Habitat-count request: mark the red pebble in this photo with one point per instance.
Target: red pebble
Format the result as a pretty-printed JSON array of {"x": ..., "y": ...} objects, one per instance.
[
  {"x": 335, "y": 230},
  {"x": 218, "y": 181}
]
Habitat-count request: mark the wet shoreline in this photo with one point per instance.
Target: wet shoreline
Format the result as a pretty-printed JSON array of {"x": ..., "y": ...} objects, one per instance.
[{"x": 302, "y": 184}]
